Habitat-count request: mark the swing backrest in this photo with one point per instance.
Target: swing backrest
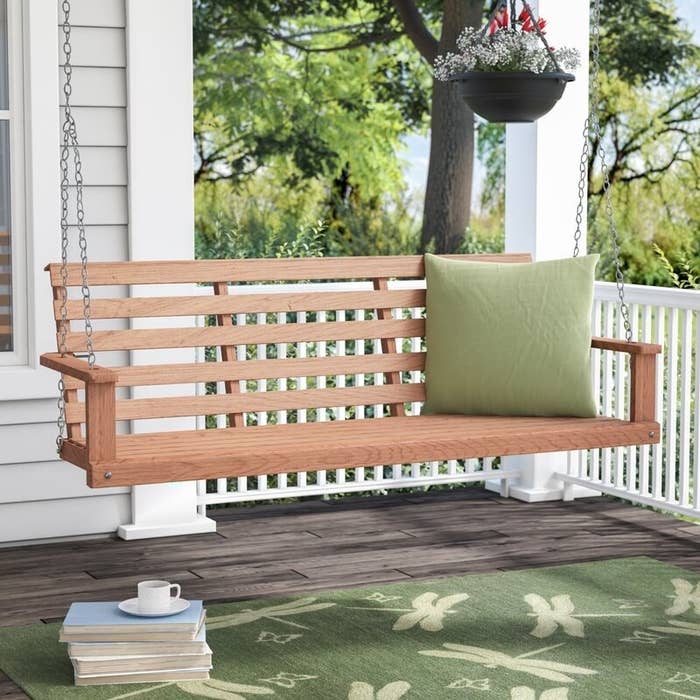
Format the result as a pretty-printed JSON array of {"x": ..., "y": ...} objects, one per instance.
[{"x": 304, "y": 333}]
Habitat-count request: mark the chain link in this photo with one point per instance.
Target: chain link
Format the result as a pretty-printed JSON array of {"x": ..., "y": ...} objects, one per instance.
[
  {"x": 70, "y": 144},
  {"x": 592, "y": 128}
]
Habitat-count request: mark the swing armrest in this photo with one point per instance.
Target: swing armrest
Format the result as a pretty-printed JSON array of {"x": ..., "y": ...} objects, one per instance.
[
  {"x": 618, "y": 345},
  {"x": 642, "y": 407},
  {"x": 78, "y": 369}
]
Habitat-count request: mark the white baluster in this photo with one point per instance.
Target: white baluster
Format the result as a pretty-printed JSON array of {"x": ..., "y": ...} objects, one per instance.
[
  {"x": 671, "y": 405},
  {"x": 685, "y": 403},
  {"x": 657, "y": 451},
  {"x": 644, "y": 449},
  {"x": 607, "y": 386}
]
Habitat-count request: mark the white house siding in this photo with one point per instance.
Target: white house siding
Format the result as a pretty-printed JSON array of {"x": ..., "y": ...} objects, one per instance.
[{"x": 42, "y": 497}]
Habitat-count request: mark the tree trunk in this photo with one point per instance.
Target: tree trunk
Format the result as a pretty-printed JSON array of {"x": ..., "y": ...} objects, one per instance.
[{"x": 448, "y": 192}]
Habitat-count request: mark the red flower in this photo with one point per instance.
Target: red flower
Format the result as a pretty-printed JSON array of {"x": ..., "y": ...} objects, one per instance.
[
  {"x": 527, "y": 25},
  {"x": 500, "y": 21}
]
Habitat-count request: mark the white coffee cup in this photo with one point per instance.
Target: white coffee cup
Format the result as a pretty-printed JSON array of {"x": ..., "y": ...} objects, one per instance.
[{"x": 154, "y": 596}]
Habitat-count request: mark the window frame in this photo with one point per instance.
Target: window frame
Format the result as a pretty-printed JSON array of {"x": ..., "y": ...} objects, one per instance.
[
  {"x": 37, "y": 204},
  {"x": 18, "y": 239}
]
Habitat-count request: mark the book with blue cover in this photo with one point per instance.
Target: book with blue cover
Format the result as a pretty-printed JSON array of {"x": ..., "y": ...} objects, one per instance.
[{"x": 104, "y": 622}]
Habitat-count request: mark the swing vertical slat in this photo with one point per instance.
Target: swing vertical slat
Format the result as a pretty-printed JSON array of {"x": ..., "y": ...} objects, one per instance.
[
  {"x": 228, "y": 354},
  {"x": 388, "y": 345}
]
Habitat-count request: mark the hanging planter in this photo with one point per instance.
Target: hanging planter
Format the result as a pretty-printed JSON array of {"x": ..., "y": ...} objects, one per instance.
[
  {"x": 508, "y": 72},
  {"x": 512, "y": 96}
]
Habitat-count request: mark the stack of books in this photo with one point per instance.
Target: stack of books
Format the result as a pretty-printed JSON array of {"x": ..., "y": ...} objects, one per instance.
[{"x": 108, "y": 646}]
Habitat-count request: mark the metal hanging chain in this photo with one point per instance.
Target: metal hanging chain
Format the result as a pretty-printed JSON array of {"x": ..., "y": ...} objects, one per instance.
[
  {"x": 591, "y": 127},
  {"x": 70, "y": 144}
]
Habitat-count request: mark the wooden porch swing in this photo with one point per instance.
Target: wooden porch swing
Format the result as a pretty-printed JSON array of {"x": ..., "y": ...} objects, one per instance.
[{"x": 96, "y": 397}]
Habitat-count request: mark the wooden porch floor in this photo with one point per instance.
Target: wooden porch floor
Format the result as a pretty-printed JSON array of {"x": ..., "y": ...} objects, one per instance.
[{"x": 281, "y": 549}]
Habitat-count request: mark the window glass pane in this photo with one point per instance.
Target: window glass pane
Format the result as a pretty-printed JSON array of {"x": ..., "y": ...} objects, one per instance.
[
  {"x": 5, "y": 268},
  {"x": 4, "y": 97}
]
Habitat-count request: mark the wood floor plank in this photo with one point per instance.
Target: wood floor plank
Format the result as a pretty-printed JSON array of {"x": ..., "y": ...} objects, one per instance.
[{"x": 9, "y": 691}]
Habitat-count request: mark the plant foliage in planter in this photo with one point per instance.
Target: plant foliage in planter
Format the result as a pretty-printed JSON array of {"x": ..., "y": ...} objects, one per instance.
[{"x": 508, "y": 71}]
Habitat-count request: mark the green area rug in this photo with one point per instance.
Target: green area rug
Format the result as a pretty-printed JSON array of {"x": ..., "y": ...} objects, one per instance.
[{"x": 618, "y": 630}]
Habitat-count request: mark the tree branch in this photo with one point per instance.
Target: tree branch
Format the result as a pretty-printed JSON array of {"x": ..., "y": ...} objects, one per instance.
[
  {"x": 362, "y": 40},
  {"x": 416, "y": 29}
]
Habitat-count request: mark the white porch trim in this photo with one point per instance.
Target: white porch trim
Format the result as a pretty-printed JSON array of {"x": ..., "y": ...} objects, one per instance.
[{"x": 161, "y": 212}]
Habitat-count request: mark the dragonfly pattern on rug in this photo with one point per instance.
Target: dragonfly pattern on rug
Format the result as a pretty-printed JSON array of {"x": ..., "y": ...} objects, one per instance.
[
  {"x": 392, "y": 691},
  {"x": 265, "y": 636},
  {"x": 523, "y": 663},
  {"x": 287, "y": 680},
  {"x": 210, "y": 688},
  {"x": 271, "y": 612},
  {"x": 428, "y": 611},
  {"x": 686, "y": 597},
  {"x": 560, "y": 613},
  {"x": 691, "y": 629},
  {"x": 469, "y": 684}
]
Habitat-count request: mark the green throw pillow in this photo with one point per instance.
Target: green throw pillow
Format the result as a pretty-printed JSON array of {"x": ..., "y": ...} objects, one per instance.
[{"x": 509, "y": 338}]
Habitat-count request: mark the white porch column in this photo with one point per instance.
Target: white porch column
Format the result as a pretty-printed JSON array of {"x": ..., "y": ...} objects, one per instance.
[
  {"x": 542, "y": 170},
  {"x": 161, "y": 218}
]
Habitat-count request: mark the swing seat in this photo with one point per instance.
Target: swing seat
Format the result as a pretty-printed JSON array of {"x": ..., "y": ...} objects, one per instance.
[{"x": 300, "y": 379}]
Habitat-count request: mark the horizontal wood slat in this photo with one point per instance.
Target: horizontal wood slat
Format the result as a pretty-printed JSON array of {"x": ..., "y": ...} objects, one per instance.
[
  {"x": 185, "y": 373},
  {"x": 147, "y": 307},
  {"x": 5, "y": 278},
  {"x": 172, "y": 407},
  {"x": 142, "y": 339},
  {"x": 5, "y": 299},
  {"x": 149, "y": 458},
  {"x": 260, "y": 270}
]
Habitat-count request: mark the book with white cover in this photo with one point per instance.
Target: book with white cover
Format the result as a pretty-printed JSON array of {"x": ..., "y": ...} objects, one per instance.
[
  {"x": 132, "y": 664},
  {"x": 193, "y": 674},
  {"x": 83, "y": 650},
  {"x": 104, "y": 622}
]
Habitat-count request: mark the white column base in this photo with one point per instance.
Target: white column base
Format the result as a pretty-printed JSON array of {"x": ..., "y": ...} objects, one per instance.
[
  {"x": 538, "y": 481},
  {"x": 163, "y": 510},
  {"x": 141, "y": 532},
  {"x": 531, "y": 495}
]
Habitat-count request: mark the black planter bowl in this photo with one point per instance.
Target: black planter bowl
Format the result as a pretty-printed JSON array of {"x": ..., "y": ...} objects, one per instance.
[{"x": 512, "y": 97}]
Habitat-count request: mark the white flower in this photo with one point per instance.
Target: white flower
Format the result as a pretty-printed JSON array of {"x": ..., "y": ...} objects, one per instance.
[{"x": 506, "y": 50}]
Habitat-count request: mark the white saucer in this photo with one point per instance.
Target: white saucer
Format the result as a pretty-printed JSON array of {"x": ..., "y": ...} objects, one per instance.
[{"x": 131, "y": 607}]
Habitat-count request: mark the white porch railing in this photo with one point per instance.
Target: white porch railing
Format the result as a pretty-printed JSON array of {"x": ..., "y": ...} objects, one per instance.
[{"x": 665, "y": 475}]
